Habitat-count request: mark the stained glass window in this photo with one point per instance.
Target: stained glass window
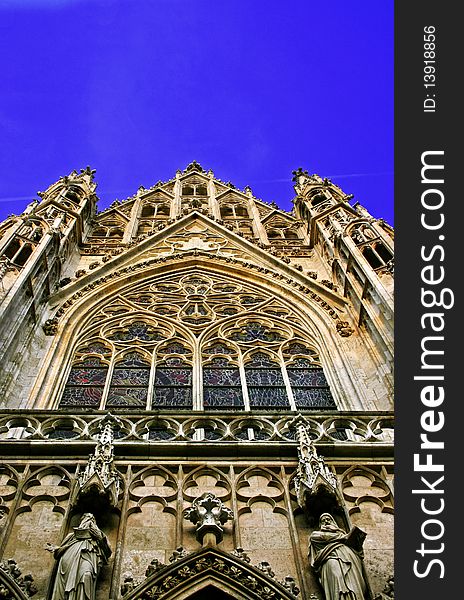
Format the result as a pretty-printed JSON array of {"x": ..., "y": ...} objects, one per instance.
[
  {"x": 95, "y": 347},
  {"x": 266, "y": 386},
  {"x": 219, "y": 348},
  {"x": 256, "y": 331},
  {"x": 173, "y": 384},
  {"x": 309, "y": 385},
  {"x": 222, "y": 387},
  {"x": 129, "y": 384},
  {"x": 138, "y": 330},
  {"x": 174, "y": 347},
  {"x": 85, "y": 384}
]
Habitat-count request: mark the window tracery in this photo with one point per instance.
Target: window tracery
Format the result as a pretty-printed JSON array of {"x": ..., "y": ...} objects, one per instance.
[
  {"x": 129, "y": 382},
  {"x": 199, "y": 341}
]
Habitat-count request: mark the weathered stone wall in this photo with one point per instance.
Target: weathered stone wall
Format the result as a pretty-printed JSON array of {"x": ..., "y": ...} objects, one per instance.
[{"x": 149, "y": 523}]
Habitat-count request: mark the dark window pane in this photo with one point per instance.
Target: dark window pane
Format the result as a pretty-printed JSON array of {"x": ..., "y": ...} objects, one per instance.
[
  {"x": 223, "y": 397},
  {"x": 264, "y": 377},
  {"x": 221, "y": 376},
  {"x": 268, "y": 397},
  {"x": 307, "y": 377},
  {"x": 313, "y": 398},
  {"x": 87, "y": 376},
  {"x": 82, "y": 396},
  {"x": 62, "y": 433},
  {"x": 85, "y": 384},
  {"x": 138, "y": 330},
  {"x": 257, "y": 331},
  {"x": 127, "y": 396},
  {"x": 130, "y": 377},
  {"x": 159, "y": 432},
  {"x": 180, "y": 397},
  {"x": 173, "y": 376}
]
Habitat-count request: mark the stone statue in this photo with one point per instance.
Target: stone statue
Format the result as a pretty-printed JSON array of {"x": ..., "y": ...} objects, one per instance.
[
  {"x": 79, "y": 557},
  {"x": 336, "y": 556}
]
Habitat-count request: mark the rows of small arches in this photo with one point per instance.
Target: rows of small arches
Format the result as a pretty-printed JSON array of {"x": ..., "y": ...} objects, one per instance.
[{"x": 197, "y": 428}]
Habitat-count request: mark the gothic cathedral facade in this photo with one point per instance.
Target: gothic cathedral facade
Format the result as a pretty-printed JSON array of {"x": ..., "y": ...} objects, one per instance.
[{"x": 207, "y": 375}]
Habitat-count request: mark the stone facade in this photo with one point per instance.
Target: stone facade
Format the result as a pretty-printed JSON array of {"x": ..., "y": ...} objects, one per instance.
[{"x": 206, "y": 374}]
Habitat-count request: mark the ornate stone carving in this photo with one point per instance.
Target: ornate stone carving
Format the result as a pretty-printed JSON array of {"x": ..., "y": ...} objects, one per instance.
[
  {"x": 50, "y": 326},
  {"x": 266, "y": 568},
  {"x": 194, "y": 166},
  {"x": 290, "y": 584},
  {"x": 216, "y": 564},
  {"x": 156, "y": 565},
  {"x": 329, "y": 284},
  {"x": 241, "y": 554},
  {"x": 344, "y": 329},
  {"x": 209, "y": 514},
  {"x": 312, "y": 471},
  {"x": 10, "y": 577},
  {"x": 128, "y": 584},
  {"x": 178, "y": 553},
  {"x": 99, "y": 474}
]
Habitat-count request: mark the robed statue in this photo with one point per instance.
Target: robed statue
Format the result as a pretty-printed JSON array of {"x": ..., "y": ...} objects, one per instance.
[
  {"x": 80, "y": 556},
  {"x": 337, "y": 558}
]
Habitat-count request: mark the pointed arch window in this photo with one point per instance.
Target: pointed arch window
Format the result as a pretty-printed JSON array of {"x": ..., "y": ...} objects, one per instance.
[
  {"x": 309, "y": 385},
  {"x": 222, "y": 387},
  {"x": 173, "y": 384},
  {"x": 129, "y": 383},
  {"x": 85, "y": 384},
  {"x": 258, "y": 359},
  {"x": 266, "y": 386}
]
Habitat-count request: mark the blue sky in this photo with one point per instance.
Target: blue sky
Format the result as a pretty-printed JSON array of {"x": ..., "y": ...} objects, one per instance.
[{"x": 251, "y": 89}]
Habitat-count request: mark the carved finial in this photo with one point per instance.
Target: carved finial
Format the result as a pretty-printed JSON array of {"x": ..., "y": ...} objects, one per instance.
[
  {"x": 266, "y": 568},
  {"x": 312, "y": 471},
  {"x": 290, "y": 584},
  {"x": 241, "y": 554},
  {"x": 209, "y": 514},
  {"x": 194, "y": 166},
  {"x": 299, "y": 173},
  {"x": 50, "y": 326},
  {"x": 128, "y": 584},
  {"x": 155, "y": 565},
  {"x": 99, "y": 474},
  {"x": 88, "y": 171},
  {"x": 178, "y": 553}
]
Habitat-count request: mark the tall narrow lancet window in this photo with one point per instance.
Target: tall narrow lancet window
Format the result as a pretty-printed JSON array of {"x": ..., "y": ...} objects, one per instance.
[
  {"x": 129, "y": 383},
  {"x": 173, "y": 377},
  {"x": 307, "y": 380},
  {"x": 266, "y": 386},
  {"x": 85, "y": 384},
  {"x": 222, "y": 387}
]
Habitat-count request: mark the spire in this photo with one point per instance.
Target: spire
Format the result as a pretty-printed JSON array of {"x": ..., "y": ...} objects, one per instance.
[
  {"x": 99, "y": 474},
  {"x": 313, "y": 475}
]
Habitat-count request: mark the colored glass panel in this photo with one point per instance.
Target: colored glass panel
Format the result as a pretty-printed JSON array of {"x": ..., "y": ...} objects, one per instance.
[
  {"x": 127, "y": 396},
  {"x": 84, "y": 387}
]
